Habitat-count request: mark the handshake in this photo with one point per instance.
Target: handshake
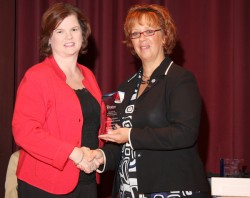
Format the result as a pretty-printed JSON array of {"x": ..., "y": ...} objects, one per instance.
[{"x": 87, "y": 160}]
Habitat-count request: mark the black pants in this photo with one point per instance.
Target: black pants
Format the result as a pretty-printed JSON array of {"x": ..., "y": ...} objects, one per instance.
[{"x": 81, "y": 191}]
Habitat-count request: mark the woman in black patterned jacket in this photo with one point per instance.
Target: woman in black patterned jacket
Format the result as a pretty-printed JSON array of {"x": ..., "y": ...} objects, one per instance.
[{"x": 154, "y": 149}]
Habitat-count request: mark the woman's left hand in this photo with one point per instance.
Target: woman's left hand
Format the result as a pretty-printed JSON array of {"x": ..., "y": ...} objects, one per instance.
[{"x": 119, "y": 135}]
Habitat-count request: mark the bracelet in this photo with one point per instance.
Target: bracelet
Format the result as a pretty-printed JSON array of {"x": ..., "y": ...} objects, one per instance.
[{"x": 79, "y": 161}]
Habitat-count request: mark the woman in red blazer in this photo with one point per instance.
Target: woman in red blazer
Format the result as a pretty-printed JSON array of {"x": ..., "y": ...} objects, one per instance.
[{"x": 59, "y": 112}]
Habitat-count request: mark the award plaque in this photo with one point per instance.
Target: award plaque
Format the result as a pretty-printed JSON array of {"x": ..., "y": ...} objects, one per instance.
[{"x": 111, "y": 100}]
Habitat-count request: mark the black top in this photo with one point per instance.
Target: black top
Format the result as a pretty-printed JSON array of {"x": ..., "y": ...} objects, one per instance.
[{"x": 91, "y": 125}]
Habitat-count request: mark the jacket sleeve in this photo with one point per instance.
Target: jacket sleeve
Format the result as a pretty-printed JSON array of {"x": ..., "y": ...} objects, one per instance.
[
  {"x": 182, "y": 103},
  {"x": 29, "y": 125},
  {"x": 112, "y": 153}
]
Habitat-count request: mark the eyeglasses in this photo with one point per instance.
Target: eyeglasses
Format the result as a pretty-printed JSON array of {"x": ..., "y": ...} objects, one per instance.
[{"x": 135, "y": 35}]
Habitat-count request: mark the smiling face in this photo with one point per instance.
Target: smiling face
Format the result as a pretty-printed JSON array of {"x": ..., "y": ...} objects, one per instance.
[
  {"x": 148, "y": 48},
  {"x": 66, "y": 39}
]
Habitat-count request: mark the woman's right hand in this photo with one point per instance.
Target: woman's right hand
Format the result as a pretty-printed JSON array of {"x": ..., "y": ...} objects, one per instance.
[{"x": 78, "y": 156}]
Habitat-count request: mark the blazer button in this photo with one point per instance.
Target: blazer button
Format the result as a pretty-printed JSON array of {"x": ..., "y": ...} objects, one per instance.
[{"x": 139, "y": 155}]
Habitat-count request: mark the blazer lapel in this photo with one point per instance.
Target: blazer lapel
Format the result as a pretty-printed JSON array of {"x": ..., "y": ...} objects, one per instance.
[{"x": 159, "y": 73}]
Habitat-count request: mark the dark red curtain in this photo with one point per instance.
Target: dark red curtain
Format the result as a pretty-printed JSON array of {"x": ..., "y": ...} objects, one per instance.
[
  {"x": 7, "y": 81},
  {"x": 213, "y": 43}
]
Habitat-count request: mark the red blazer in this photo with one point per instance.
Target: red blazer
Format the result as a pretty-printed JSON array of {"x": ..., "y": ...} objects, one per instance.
[{"x": 47, "y": 125}]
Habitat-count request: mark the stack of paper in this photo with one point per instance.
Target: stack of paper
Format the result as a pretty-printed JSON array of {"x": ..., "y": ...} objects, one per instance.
[{"x": 230, "y": 187}]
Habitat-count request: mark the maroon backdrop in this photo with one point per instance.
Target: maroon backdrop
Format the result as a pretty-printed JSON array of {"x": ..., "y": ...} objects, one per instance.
[{"x": 213, "y": 43}]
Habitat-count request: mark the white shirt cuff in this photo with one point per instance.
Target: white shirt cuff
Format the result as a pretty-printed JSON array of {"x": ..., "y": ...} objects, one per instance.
[{"x": 104, "y": 164}]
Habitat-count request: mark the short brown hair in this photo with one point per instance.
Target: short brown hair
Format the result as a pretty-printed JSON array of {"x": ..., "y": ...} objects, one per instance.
[
  {"x": 155, "y": 15},
  {"x": 52, "y": 18}
]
